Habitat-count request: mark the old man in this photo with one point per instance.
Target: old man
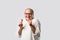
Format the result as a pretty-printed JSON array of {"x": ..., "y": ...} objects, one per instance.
[{"x": 29, "y": 27}]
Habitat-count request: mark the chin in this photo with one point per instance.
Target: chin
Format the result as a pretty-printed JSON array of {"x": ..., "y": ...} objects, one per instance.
[{"x": 27, "y": 18}]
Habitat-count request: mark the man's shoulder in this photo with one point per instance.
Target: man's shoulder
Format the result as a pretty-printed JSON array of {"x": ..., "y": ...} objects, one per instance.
[{"x": 35, "y": 19}]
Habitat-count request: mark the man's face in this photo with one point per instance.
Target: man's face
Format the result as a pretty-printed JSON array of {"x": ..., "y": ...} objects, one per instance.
[{"x": 28, "y": 14}]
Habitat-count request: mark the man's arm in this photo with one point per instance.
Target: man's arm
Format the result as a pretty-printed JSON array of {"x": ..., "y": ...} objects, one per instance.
[
  {"x": 20, "y": 31},
  {"x": 20, "y": 27},
  {"x": 33, "y": 28}
]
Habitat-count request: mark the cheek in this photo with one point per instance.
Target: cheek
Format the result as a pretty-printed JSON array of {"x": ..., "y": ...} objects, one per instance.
[{"x": 30, "y": 15}]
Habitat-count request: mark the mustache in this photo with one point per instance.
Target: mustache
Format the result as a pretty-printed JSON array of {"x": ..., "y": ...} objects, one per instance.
[{"x": 28, "y": 16}]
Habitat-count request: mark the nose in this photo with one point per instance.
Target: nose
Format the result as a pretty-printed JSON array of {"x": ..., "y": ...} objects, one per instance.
[{"x": 28, "y": 16}]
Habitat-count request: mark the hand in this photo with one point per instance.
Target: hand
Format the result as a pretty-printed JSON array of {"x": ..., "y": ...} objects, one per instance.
[
  {"x": 21, "y": 23},
  {"x": 21, "y": 27},
  {"x": 29, "y": 22}
]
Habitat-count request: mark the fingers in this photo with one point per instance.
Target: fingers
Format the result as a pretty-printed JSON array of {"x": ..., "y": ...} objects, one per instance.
[{"x": 21, "y": 23}]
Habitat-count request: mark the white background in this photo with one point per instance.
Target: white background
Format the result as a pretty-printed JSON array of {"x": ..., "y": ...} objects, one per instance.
[{"x": 47, "y": 11}]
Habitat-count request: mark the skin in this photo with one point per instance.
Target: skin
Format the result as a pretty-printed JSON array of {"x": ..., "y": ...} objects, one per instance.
[
  {"x": 21, "y": 27},
  {"x": 28, "y": 16}
]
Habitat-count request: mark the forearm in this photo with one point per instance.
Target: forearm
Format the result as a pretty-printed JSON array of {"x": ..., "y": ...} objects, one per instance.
[
  {"x": 33, "y": 28},
  {"x": 20, "y": 30}
]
